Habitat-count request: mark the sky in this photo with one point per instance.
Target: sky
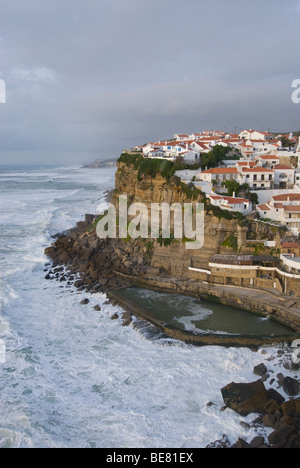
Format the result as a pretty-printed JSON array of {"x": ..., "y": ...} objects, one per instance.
[{"x": 87, "y": 78}]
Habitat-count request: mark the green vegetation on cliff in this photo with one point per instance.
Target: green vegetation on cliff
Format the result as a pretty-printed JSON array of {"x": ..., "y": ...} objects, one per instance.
[{"x": 151, "y": 167}]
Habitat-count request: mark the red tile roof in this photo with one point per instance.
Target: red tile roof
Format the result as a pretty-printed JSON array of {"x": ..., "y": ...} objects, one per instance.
[
  {"x": 256, "y": 169},
  {"x": 282, "y": 166},
  {"x": 287, "y": 197},
  {"x": 269, "y": 157},
  {"x": 292, "y": 208},
  {"x": 221, "y": 170},
  {"x": 263, "y": 207},
  {"x": 290, "y": 245}
]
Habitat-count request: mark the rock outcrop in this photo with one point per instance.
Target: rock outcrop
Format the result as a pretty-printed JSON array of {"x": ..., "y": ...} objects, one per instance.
[{"x": 273, "y": 412}]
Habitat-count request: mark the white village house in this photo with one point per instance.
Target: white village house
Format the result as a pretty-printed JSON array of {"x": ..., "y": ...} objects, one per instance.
[
  {"x": 285, "y": 209},
  {"x": 242, "y": 205},
  {"x": 256, "y": 177}
]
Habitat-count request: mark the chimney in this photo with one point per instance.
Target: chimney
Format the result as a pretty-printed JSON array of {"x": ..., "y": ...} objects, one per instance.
[{"x": 233, "y": 195}]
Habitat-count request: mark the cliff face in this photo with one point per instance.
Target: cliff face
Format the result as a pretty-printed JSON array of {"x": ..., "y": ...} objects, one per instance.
[
  {"x": 107, "y": 264},
  {"x": 221, "y": 236}
]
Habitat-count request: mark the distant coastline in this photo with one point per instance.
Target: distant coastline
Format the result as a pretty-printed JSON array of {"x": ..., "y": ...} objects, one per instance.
[{"x": 98, "y": 163}]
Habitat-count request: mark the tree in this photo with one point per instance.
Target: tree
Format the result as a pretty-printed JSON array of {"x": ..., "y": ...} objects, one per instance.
[
  {"x": 285, "y": 142},
  {"x": 232, "y": 187},
  {"x": 215, "y": 157}
]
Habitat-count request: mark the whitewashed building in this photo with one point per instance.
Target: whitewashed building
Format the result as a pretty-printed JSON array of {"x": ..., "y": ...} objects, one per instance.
[
  {"x": 284, "y": 209},
  {"x": 255, "y": 135},
  {"x": 242, "y": 205},
  {"x": 219, "y": 174},
  {"x": 256, "y": 177},
  {"x": 284, "y": 176}
]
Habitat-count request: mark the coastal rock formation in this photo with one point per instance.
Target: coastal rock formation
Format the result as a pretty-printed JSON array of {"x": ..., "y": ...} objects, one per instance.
[
  {"x": 107, "y": 264},
  {"x": 245, "y": 398},
  {"x": 271, "y": 409}
]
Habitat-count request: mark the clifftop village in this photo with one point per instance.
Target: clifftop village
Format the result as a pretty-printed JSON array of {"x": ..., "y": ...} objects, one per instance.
[{"x": 259, "y": 177}]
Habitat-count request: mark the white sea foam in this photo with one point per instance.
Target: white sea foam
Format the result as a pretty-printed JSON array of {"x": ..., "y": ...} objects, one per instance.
[{"x": 75, "y": 378}]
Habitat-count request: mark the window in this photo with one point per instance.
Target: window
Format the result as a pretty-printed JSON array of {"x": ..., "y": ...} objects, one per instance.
[{"x": 262, "y": 177}]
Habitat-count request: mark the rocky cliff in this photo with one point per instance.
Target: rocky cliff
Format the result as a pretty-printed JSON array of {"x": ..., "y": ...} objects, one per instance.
[
  {"x": 221, "y": 235},
  {"x": 107, "y": 264}
]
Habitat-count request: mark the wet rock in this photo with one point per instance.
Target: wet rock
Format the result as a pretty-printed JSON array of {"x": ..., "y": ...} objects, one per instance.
[
  {"x": 84, "y": 301},
  {"x": 280, "y": 379},
  {"x": 274, "y": 395},
  {"x": 271, "y": 406},
  {"x": 245, "y": 398},
  {"x": 220, "y": 443},
  {"x": 126, "y": 316},
  {"x": 291, "y": 386},
  {"x": 257, "y": 442},
  {"x": 241, "y": 443},
  {"x": 245, "y": 425},
  {"x": 260, "y": 370},
  {"x": 280, "y": 437},
  {"x": 269, "y": 420},
  {"x": 97, "y": 307}
]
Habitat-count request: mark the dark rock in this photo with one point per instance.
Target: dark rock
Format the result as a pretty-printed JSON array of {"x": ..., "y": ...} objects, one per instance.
[
  {"x": 257, "y": 442},
  {"x": 221, "y": 443},
  {"x": 84, "y": 301},
  {"x": 78, "y": 284},
  {"x": 269, "y": 420},
  {"x": 103, "y": 282},
  {"x": 280, "y": 437},
  {"x": 89, "y": 219},
  {"x": 97, "y": 307},
  {"x": 126, "y": 316},
  {"x": 291, "y": 386},
  {"x": 241, "y": 443},
  {"x": 114, "y": 316},
  {"x": 274, "y": 395},
  {"x": 245, "y": 398},
  {"x": 271, "y": 407},
  {"x": 59, "y": 269},
  {"x": 288, "y": 408},
  {"x": 245, "y": 425},
  {"x": 288, "y": 364},
  {"x": 260, "y": 370},
  {"x": 47, "y": 277},
  {"x": 297, "y": 407},
  {"x": 280, "y": 378}
]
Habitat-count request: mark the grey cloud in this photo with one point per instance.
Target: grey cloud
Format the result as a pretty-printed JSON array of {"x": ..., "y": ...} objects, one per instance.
[{"x": 94, "y": 77}]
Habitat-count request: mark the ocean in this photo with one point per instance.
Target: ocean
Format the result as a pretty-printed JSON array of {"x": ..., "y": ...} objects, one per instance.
[{"x": 70, "y": 377}]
